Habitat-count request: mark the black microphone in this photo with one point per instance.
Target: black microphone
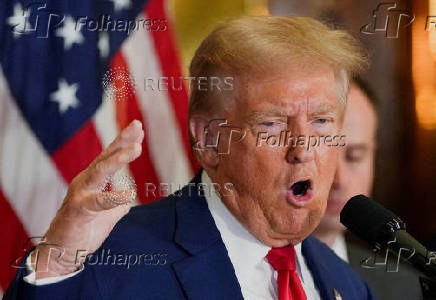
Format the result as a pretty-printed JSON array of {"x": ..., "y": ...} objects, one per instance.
[{"x": 380, "y": 227}]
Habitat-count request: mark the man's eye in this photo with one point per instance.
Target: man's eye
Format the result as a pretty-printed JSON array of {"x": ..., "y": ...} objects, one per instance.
[
  {"x": 354, "y": 159},
  {"x": 273, "y": 123},
  {"x": 355, "y": 155},
  {"x": 321, "y": 121}
]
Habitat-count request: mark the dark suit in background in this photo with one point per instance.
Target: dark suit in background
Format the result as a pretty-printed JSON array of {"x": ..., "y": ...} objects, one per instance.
[{"x": 403, "y": 284}]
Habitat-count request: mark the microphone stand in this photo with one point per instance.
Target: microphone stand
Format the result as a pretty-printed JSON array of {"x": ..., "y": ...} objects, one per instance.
[
  {"x": 397, "y": 239},
  {"x": 428, "y": 287}
]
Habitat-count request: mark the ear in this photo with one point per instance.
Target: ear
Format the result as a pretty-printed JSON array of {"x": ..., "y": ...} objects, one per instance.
[{"x": 205, "y": 140}]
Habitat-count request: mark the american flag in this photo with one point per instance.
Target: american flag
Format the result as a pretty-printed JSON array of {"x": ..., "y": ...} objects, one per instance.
[{"x": 56, "y": 115}]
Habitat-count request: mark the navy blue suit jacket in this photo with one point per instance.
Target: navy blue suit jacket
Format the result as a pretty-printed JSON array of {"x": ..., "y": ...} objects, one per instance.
[{"x": 180, "y": 255}]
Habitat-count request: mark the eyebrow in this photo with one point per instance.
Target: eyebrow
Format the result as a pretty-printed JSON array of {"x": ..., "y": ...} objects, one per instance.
[
  {"x": 358, "y": 146},
  {"x": 324, "y": 108},
  {"x": 258, "y": 115}
]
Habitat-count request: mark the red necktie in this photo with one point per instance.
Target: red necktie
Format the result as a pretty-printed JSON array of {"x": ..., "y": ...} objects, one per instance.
[{"x": 283, "y": 261}]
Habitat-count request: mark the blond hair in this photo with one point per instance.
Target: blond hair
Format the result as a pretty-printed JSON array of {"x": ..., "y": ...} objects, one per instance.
[{"x": 255, "y": 45}]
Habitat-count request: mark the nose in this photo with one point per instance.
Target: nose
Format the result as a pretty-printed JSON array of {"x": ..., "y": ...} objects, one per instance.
[
  {"x": 299, "y": 154},
  {"x": 298, "y": 151}
]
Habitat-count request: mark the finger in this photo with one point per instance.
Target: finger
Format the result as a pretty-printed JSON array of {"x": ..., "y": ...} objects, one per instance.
[
  {"x": 133, "y": 133},
  {"x": 108, "y": 200},
  {"x": 100, "y": 171}
]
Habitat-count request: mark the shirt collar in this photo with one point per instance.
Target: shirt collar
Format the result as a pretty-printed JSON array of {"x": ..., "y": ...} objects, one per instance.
[{"x": 340, "y": 247}]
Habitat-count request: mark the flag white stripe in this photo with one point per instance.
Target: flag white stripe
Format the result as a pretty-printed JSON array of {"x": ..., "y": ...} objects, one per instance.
[
  {"x": 163, "y": 134},
  {"x": 28, "y": 176},
  {"x": 105, "y": 121}
]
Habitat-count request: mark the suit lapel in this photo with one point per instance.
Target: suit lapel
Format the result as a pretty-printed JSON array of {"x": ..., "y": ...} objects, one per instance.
[
  {"x": 324, "y": 280},
  {"x": 207, "y": 273}
]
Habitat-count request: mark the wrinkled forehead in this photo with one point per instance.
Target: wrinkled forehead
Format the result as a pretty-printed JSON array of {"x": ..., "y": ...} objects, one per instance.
[{"x": 289, "y": 92}]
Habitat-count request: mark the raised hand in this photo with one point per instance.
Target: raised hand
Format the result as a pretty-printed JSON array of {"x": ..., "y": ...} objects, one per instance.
[{"x": 88, "y": 214}]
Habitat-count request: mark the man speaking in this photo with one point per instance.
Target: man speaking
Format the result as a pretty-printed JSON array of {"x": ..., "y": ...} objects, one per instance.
[{"x": 250, "y": 241}]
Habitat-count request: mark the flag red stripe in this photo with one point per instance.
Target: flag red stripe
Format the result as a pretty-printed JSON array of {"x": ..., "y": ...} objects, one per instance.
[
  {"x": 169, "y": 62},
  {"x": 142, "y": 168},
  {"x": 13, "y": 237},
  {"x": 78, "y": 152}
]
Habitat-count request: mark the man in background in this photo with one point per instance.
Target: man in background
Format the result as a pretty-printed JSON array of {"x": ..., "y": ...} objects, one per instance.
[{"x": 354, "y": 175}]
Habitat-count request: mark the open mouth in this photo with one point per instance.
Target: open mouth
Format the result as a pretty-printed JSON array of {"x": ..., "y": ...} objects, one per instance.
[
  {"x": 300, "y": 188},
  {"x": 300, "y": 192}
]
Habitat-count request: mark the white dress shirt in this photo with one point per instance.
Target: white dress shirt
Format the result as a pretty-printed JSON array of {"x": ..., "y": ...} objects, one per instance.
[
  {"x": 30, "y": 278},
  {"x": 256, "y": 277},
  {"x": 340, "y": 247}
]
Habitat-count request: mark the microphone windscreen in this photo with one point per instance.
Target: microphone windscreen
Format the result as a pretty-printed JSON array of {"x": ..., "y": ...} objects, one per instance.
[{"x": 365, "y": 218}]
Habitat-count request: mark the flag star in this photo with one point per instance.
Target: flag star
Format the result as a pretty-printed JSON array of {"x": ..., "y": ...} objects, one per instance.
[
  {"x": 103, "y": 44},
  {"x": 121, "y": 4},
  {"x": 19, "y": 21},
  {"x": 70, "y": 33},
  {"x": 65, "y": 96}
]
